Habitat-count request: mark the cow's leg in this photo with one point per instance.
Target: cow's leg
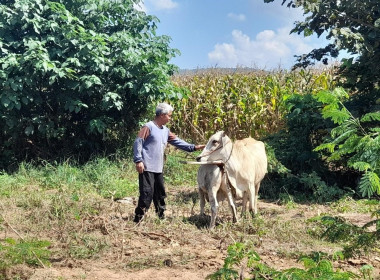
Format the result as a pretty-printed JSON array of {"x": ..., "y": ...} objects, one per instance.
[
  {"x": 214, "y": 205},
  {"x": 252, "y": 199},
  {"x": 231, "y": 202},
  {"x": 202, "y": 200},
  {"x": 230, "y": 198},
  {"x": 244, "y": 203},
  {"x": 250, "y": 195},
  {"x": 257, "y": 187}
]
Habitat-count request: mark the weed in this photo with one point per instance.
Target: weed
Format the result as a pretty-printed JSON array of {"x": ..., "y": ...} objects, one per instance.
[
  {"x": 348, "y": 204},
  {"x": 367, "y": 271},
  {"x": 85, "y": 246},
  {"x": 287, "y": 200},
  {"x": 356, "y": 240},
  {"x": 240, "y": 257},
  {"x": 178, "y": 174},
  {"x": 31, "y": 252}
]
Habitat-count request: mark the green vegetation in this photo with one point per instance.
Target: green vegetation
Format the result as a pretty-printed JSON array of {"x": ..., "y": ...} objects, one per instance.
[
  {"x": 298, "y": 130},
  {"x": 14, "y": 252},
  {"x": 76, "y": 77},
  {"x": 74, "y": 207},
  {"x": 241, "y": 255},
  {"x": 352, "y": 27},
  {"x": 241, "y": 104},
  {"x": 107, "y": 178},
  {"x": 354, "y": 142},
  {"x": 357, "y": 240}
]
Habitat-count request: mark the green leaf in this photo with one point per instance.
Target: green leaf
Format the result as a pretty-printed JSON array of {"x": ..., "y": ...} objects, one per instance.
[
  {"x": 369, "y": 184},
  {"x": 326, "y": 146},
  {"x": 326, "y": 97},
  {"x": 59, "y": 58},
  {"x": 336, "y": 115},
  {"x": 97, "y": 125},
  {"x": 340, "y": 93},
  {"x": 361, "y": 166},
  {"x": 29, "y": 130},
  {"x": 5, "y": 101},
  {"x": 374, "y": 116}
]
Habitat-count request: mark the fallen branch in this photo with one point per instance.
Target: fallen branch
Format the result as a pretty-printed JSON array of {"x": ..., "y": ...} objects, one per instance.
[{"x": 149, "y": 234}]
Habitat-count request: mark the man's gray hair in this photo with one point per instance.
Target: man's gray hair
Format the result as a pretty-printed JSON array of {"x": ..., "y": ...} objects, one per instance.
[{"x": 163, "y": 108}]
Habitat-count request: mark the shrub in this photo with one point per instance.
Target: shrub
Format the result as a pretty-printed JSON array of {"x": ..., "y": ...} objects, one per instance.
[
  {"x": 76, "y": 77},
  {"x": 241, "y": 257},
  {"x": 355, "y": 141}
]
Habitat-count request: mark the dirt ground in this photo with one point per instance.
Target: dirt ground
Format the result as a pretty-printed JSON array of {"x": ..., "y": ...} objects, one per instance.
[{"x": 181, "y": 247}]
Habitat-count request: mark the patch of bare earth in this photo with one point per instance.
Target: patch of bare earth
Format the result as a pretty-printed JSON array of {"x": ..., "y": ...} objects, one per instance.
[{"x": 181, "y": 246}]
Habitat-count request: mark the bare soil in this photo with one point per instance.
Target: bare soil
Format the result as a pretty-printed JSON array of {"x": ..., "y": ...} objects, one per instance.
[{"x": 181, "y": 246}]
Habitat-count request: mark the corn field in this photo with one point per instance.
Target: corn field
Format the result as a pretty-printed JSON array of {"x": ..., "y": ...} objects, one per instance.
[{"x": 243, "y": 103}]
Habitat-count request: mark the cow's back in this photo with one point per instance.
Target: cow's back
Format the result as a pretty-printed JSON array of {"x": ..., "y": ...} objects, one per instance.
[{"x": 248, "y": 162}]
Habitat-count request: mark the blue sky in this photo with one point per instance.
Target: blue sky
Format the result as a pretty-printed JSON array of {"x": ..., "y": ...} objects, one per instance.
[{"x": 231, "y": 33}]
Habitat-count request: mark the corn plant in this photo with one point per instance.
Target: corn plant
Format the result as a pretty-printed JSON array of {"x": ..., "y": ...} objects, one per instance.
[{"x": 241, "y": 104}]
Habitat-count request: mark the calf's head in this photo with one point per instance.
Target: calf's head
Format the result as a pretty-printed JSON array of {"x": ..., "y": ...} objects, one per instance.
[{"x": 217, "y": 148}]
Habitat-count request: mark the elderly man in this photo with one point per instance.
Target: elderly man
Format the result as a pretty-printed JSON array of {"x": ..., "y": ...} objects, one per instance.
[{"x": 148, "y": 156}]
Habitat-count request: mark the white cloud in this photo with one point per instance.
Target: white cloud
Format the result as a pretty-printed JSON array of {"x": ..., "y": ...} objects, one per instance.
[
  {"x": 163, "y": 4},
  {"x": 278, "y": 11},
  {"x": 238, "y": 17},
  {"x": 269, "y": 49}
]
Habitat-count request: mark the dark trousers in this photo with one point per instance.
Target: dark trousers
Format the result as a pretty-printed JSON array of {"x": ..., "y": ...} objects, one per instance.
[{"x": 151, "y": 187}]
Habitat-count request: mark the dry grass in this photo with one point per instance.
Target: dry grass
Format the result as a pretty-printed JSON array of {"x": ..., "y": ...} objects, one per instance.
[{"x": 92, "y": 231}]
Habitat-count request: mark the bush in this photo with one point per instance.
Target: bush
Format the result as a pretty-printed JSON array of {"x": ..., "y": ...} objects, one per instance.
[
  {"x": 303, "y": 172},
  {"x": 76, "y": 77},
  {"x": 354, "y": 142}
]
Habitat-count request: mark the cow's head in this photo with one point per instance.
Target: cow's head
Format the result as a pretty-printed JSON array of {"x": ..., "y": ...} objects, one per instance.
[{"x": 216, "y": 148}]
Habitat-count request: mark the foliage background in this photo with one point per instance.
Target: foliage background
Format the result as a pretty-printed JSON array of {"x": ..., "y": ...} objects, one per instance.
[{"x": 76, "y": 76}]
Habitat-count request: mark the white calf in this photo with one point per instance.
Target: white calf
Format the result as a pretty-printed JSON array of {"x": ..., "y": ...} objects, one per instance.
[{"x": 213, "y": 186}]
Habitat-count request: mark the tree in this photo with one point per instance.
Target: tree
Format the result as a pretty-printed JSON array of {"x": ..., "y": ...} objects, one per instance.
[
  {"x": 353, "y": 26},
  {"x": 354, "y": 140},
  {"x": 76, "y": 76}
]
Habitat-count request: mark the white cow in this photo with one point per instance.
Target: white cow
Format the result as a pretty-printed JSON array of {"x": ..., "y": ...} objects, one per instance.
[
  {"x": 245, "y": 164},
  {"x": 213, "y": 186}
]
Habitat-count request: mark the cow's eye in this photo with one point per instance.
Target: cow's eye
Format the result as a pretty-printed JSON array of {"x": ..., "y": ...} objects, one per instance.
[{"x": 215, "y": 142}]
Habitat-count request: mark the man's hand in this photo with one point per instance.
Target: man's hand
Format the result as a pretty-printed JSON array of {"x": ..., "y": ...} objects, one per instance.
[
  {"x": 199, "y": 147},
  {"x": 140, "y": 167}
]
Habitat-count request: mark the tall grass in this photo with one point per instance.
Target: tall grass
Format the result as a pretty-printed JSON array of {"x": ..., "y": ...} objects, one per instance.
[
  {"x": 102, "y": 176},
  {"x": 105, "y": 177}
]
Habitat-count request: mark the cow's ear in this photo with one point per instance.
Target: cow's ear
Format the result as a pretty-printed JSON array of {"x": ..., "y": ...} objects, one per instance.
[
  {"x": 225, "y": 139},
  {"x": 222, "y": 135}
]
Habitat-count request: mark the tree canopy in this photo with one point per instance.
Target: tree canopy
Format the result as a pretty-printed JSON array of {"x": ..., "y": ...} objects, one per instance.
[
  {"x": 353, "y": 26},
  {"x": 75, "y": 76}
]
